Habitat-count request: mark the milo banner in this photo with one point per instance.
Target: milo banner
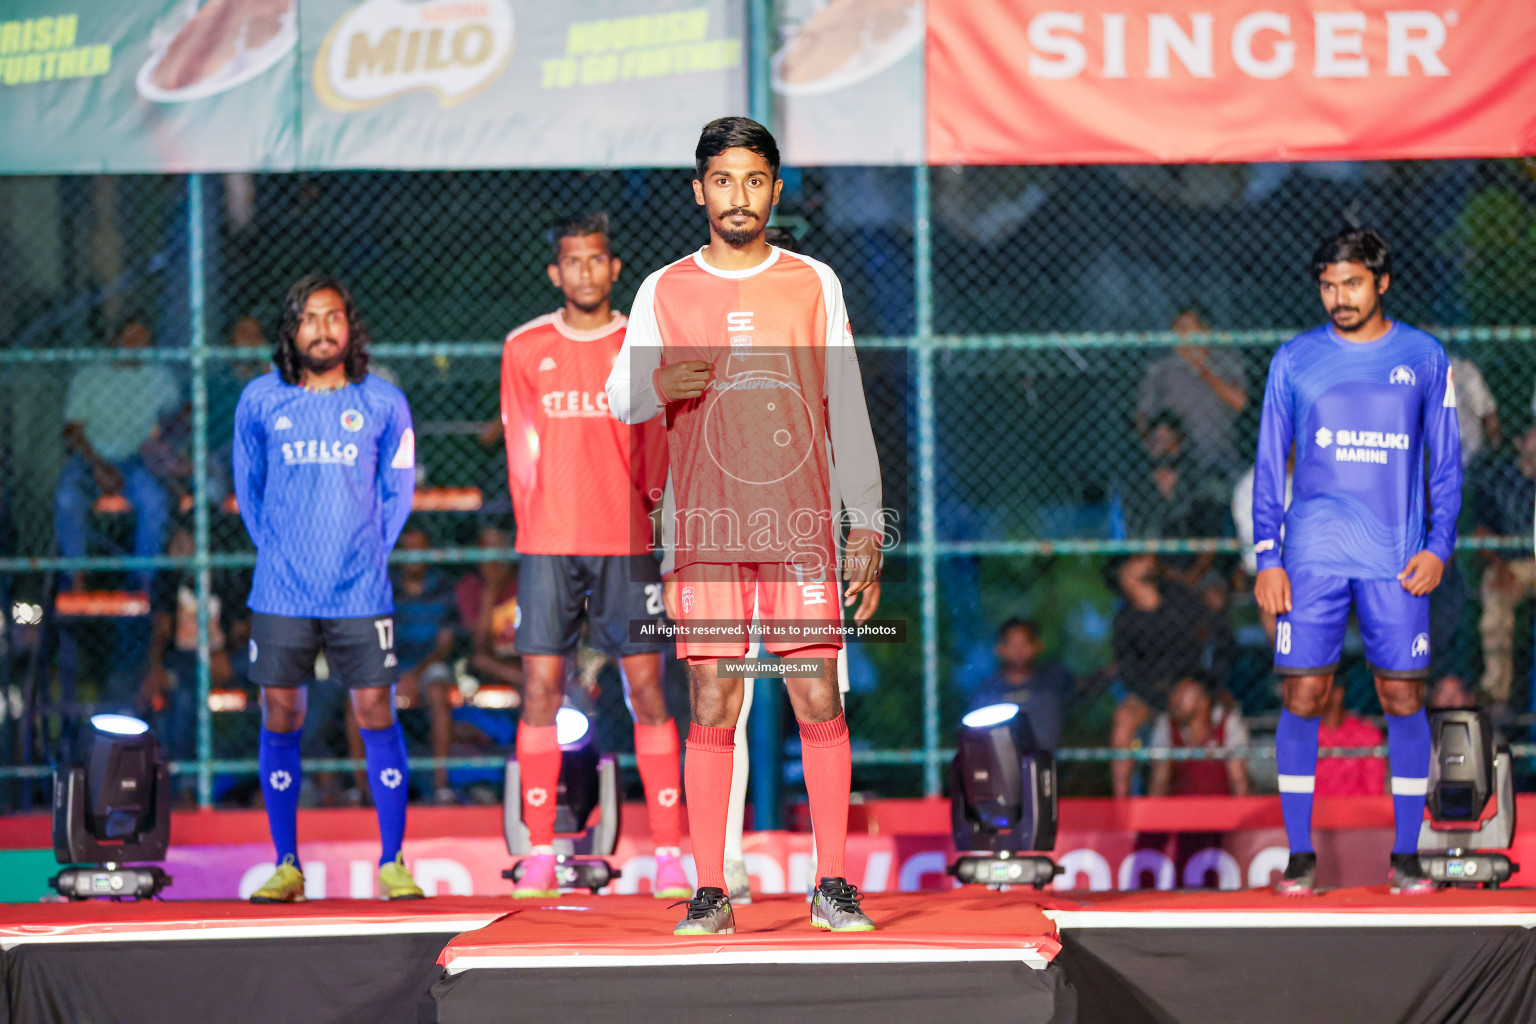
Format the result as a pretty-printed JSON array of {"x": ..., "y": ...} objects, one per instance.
[
  {"x": 513, "y": 83},
  {"x": 148, "y": 85}
]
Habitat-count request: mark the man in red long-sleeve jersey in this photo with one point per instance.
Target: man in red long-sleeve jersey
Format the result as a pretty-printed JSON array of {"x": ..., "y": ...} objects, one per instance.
[
  {"x": 583, "y": 486},
  {"x": 745, "y": 351}
]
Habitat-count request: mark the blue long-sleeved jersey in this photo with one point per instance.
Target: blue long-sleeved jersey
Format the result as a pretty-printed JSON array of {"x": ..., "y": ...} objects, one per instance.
[
  {"x": 1362, "y": 416},
  {"x": 324, "y": 481}
]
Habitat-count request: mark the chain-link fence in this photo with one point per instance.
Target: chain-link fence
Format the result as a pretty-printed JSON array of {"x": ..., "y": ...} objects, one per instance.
[{"x": 1064, "y": 366}]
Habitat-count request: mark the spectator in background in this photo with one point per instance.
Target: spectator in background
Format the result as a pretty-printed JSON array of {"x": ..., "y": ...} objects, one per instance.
[
  {"x": 1451, "y": 691},
  {"x": 1348, "y": 776},
  {"x": 1242, "y": 518},
  {"x": 1205, "y": 387},
  {"x": 487, "y": 602},
  {"x": 1172, "y": 497},
  {"x": 1477, "y": 413},
  {"x": 424, "y": 633},
  {"x": 1038, "y": 689},
  {"x": 1194, "y": 720},
  {"x": 112, "y": 417},
  {"x": 1503, "y": 505},
  {"x": 168, "y": 693},
  {"x": 226, "y": 379},
  {"x": 1162, "y": 633}
]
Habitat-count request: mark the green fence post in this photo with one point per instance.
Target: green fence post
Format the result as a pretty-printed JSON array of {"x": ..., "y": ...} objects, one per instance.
[
  {"x": 759, "y": 51},
  {"x": 196, "y": 310},
  {"x": 927, "y": 515}
]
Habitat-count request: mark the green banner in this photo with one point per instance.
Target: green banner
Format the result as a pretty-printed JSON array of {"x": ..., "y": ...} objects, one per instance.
[
  {"x": 210, "y": 85},
  {"x": 493, "y": 83},
  {"x": 148, "y": 85}
]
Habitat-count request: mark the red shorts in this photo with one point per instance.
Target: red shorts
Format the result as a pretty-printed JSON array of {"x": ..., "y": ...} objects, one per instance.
[{"x": 798, "y": 612}]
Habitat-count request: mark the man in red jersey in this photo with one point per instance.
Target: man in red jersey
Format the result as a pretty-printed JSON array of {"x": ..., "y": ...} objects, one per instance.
[
  {"x": 583, "y": 486},
  {"x": 747, "y": 350}
]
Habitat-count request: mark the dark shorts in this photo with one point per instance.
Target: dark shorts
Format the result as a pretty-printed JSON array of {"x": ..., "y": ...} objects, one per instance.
[
  {"x": 360, "y": 651},
  {"x": 1393, "y": 623},
  {"x": 614, "y": 590}
]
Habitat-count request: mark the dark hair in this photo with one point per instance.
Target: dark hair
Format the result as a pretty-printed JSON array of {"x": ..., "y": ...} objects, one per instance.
[
  {"x": 577, "y": 225},
  {"x": 725, "y": 133},
  {"x": 127, "y": 319},
  {"x": 1029, "y": 626},
  {"x": 1354, "y": 245},
  {"x": 781, "y": 237},
  {"x": 1167, "y": 418},
  {"x": 1195, "y": 310},
  {"x": 286, "y": 352},
  {"x": 1110, "y": 574}
]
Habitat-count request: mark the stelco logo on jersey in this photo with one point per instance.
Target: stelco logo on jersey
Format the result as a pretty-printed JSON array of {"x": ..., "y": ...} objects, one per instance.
[
  {"x": 298, "y": 453},
  {"x": 383, "y": 49},
  {"x": 1361, "y": 445},
  {"x": 565, "y": 404}
]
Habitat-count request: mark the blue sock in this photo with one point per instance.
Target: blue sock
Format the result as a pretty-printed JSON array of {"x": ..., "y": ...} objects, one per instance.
[
  {"x": 1296, "y": 761},
  {"x": 277, "y": 759},
  {"x": 387, "y": 773},
  {"x": 1408, "y": 754}
]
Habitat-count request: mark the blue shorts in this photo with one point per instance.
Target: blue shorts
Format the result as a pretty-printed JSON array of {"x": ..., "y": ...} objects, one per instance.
[{"x": 1393, "y": 623}]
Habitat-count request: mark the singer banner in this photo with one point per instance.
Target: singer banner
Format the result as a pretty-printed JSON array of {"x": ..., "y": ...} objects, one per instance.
[{"x": 1147, "y": 81}]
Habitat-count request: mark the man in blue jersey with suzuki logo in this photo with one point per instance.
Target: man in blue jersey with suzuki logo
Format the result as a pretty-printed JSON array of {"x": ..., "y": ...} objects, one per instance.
[
  {"x": 1364, "y": 399},
  {"x": 325, "y": 467}
]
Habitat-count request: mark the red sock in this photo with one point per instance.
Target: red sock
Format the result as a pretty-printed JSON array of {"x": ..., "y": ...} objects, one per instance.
[
  {"x": 656, "y": 755},
  {"x": 828, "y": 760},
  {"x": 538, "y": 763},
  {"x": 708, "y": 774}
]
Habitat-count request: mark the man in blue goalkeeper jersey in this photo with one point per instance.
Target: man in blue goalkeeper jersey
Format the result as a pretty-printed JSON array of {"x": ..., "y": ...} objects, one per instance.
[
  {"x": 1364, "y": 398},
  {"x": 324, "y": 463}
]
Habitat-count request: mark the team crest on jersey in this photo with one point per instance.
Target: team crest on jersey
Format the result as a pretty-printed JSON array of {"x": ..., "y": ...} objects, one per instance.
[
  {"x": 1324, "y": 437},
  {"x": 687, "y": 596},
  {"x": 1420, "y": 648},
  {"x": 352, "y": 420},
  {"x": 1401, "y": 375}
]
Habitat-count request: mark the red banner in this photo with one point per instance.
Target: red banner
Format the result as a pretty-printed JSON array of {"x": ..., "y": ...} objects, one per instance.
[
  {"x": 1152, "y": 81},
  {"x": 895, "y": 845}
]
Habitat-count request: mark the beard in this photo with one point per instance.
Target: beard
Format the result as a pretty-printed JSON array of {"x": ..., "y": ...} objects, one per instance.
[
  {"x": 1352, "y": 318},
  {"x": 588, "y": 307},
  {"x": 316, "y": 364},
  {"x": 738, "y": 237}
]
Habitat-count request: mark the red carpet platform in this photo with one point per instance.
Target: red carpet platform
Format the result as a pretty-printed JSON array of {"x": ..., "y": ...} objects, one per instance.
[
  {"x": 972, "y": 955},
  {"x": 612, "y": 958}
]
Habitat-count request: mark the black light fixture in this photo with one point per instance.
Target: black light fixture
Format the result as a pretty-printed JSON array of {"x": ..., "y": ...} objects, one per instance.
[
  {"x": 588, "y": 781},
  {"x": 1470, "y": 800},
  {"x": 1002, "y": 796},
  {"x": 111, "y": 807}
]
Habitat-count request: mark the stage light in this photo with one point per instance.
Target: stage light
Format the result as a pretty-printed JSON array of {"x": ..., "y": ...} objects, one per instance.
[
  {"x": 992, "y": 714},
  {"x": 1002, "y": 800},
  {"x": 110, "y": 807},
  {"x": 571, "y": 726},
  {"x": 1470, "y": 801},
  {"x": 588, "y": 781},
  {"x": 120, "y": 725}
]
